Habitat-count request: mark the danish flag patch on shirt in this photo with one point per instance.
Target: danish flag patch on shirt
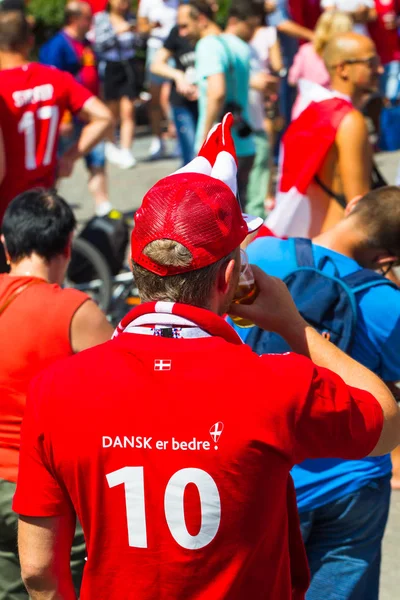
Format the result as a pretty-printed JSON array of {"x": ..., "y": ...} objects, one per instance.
[{"x": 162, "y": 365}]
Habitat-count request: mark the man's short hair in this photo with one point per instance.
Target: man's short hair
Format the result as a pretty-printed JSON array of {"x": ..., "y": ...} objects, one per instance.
[
  {"x": 15, "y": 31},
  {"x": 200, "y": 7},
  {"x": 71, "y": 12},
  {"x": 194, "y": 287},
  {"x": 379, "y": 213},
  {"x": 245, "y": 9},
  {"x": 38, "y": 221}
]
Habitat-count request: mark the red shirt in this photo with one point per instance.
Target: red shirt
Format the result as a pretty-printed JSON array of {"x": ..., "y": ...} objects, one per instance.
[
  {"x": 33, "y": 99},
  {"x": 175, "y": 454},
  {"x": 34, "y": 332},
  {"x": 305, "y": 12},
  {"x": 386, "y": 39}
]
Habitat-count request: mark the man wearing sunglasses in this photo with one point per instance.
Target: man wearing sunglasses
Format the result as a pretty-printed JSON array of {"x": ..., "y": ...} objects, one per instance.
[{"x": 327, "y": 156}]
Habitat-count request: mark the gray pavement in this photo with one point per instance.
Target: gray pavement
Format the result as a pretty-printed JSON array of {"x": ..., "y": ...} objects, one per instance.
[{"x": 126, "y": 191}]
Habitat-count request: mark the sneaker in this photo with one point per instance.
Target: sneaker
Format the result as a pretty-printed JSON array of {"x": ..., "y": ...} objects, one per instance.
[
  {"x": 126, "y": 159},
  {"x": 112, "y": 153},
  {"x": 157, "y": 149}
]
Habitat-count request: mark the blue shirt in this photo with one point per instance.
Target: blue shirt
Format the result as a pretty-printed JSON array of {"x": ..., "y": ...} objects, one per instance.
[
  {"x": 60, "y": 53},
  {"x": 376, "y": 345},
  {"x": 231, "y": 56}
]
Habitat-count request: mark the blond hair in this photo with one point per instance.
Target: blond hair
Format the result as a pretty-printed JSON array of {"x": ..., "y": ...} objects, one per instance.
[
  {"x": 193, "y": 287},
  {"x": 329, "y": 24}
]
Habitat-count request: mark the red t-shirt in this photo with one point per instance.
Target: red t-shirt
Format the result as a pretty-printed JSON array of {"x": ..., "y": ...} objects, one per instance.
[
  {"x": 305, "y": 12},
  {"x": 34, "y": 332},
  {"x": 175, "y": 454},
  {"x": 33, "y": 99},
  {"x": 386, "y": 39}
]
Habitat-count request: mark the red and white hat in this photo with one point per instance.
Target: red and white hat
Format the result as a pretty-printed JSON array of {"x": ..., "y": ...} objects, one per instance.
[{"x": 197, "y": 207}]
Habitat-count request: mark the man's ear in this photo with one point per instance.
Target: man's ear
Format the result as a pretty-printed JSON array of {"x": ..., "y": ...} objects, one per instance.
[
  {"x": 3, "y": 241},
  {"x": 353, "y": 202},
  {"x": 385, "y": 258},
  {"x": 226, "y": 275}
]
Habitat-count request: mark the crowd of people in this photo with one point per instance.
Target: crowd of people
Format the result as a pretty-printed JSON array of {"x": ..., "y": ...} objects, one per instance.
[{"x": 183, "y": 455}]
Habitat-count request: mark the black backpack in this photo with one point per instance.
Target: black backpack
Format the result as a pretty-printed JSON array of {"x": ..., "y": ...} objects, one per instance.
[
  {"x": 110, "y": 235},
  {"x": 326, "y": 301}
]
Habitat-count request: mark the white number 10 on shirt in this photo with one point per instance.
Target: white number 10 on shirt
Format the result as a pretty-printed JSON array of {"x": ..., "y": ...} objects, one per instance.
[
  {"x": 133, "y": 480},
  {"x": 28, "y": 128}
]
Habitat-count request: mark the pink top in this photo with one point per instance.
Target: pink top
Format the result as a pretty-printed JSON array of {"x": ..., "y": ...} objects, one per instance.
[{"x": 308, "y": 65}]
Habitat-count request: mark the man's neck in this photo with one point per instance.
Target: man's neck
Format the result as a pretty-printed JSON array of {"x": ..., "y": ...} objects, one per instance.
[
  {"x": 71, "y": 32},
  {"x": 36, "y": 266},
  {"x": 11, "y": 60},
  {"x": 344, "y": 238},
  {"x": 211, "y": 29},
  {"x": 347, "y": 89}
]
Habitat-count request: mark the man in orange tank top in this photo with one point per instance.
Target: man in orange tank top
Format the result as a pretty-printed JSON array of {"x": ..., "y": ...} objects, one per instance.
[{"x": 39, "y": 323}]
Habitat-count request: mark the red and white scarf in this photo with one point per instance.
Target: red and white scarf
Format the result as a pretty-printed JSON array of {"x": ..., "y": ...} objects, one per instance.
[{"x": 181, "y": 321}]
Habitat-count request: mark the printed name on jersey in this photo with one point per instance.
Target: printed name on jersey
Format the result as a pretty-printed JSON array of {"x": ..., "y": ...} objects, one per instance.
[
  {"x": 41, "y": 93},
  {"x": 147, "y": 443}
]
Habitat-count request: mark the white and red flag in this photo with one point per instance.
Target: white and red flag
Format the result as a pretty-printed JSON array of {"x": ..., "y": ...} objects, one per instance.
[{"x": 303, "y": 150}]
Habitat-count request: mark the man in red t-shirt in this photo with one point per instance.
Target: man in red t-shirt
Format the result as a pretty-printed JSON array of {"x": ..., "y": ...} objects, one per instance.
[
  {"x": 33, "y": 99},
  {"x": 173, "y": 442}
]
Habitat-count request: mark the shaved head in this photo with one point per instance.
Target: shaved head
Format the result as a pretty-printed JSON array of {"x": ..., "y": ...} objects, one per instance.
[
  {"x": 347, "y": 47},
  {"x": 76, "y": 8}
]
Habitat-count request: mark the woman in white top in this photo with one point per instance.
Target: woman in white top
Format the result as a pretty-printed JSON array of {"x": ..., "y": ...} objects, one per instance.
[
  {"x": 361, "y": 11},
  {"x": 114, "y": 41},
  {"x": 156, "y": 18}
]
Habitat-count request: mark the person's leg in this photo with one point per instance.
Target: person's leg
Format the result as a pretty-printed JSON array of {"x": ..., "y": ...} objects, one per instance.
[
  {"x": 127, "y": 119},
  {"x": 245, "y": 164},
  {"x": 97, "y": 184},
  {"x": 11, "y": 585},
  {"x": 156, "y": 116},
  {"x": 185, "y": 125},
  {"x": 257, "y": 187},
  {"x": 113, "y": 105},
  {"x": 344, "y": 547}
]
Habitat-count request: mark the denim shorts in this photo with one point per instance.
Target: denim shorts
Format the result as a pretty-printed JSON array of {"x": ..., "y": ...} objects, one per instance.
[
  {"x": 343, "y": 541},
  {"x": 151, "y": 78},
  {"x": 94, "y": 159}
]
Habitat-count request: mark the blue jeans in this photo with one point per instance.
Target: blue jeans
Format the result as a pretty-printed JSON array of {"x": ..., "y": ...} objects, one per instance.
[
  {"x": 185, "y": 122},
  {"x": 343, "y": 542}
]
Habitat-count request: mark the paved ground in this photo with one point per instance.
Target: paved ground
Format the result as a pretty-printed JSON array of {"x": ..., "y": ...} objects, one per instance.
[{"x": 126, "y": 191}]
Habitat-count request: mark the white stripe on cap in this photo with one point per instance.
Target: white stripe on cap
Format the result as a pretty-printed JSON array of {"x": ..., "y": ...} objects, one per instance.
[{"x": 225, "y": 170}]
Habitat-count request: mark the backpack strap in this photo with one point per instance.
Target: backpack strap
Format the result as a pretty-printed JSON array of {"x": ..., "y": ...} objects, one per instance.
[
  {"x": 304, "y": 253},
  {"x": 365, "y": 278}
]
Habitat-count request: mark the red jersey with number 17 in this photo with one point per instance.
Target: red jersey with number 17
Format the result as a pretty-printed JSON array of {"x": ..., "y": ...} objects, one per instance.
[{"x": 33, "y": 99}]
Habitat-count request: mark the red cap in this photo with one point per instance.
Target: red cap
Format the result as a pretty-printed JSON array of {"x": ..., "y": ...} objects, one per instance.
[{"x": 196, "y": 210}]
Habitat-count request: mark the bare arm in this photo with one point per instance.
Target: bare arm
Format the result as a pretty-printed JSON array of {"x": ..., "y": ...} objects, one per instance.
[
  {"x": 355, "y": 155},
  {"x": 216, "y": 91},
  {"x": 295, "y": 30},
  {"x": 161, "y": 67},
  {"x": 89, "y": 327},
  {"x": 2, "y": 158},
  {"x": 275, "y": 57},
  {"x": 274, "y": 310},
  {"x": 145, "y": 26},
  {"x": 44, "y": 546}
]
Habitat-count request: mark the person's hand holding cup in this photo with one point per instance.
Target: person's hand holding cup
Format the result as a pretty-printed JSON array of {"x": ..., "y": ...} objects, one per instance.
[{"x": 272, "y": 308}]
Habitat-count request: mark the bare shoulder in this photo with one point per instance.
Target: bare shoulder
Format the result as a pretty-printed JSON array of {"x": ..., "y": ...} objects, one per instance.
[
  {"x": 353, "y": 124},
  {"x": 89, "y": 327}
]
